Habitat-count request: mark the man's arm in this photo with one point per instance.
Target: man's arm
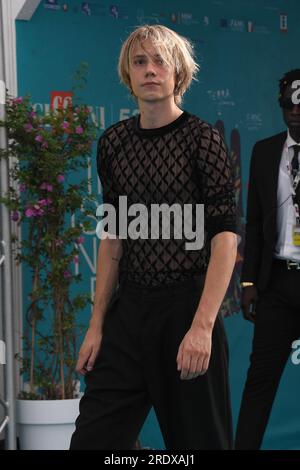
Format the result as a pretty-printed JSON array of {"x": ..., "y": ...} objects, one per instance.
[
  {"x": 195, "y": 349},
  {"x": 220, "y": 220},
  {"x": 109, "y": 255}
]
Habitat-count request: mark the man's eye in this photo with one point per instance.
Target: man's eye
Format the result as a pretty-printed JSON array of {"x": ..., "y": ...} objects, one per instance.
[{"x": 160, "y": 61}]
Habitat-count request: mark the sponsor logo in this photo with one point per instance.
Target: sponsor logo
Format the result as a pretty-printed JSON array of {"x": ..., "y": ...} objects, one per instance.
[
  {"x": 221, "y": 97},
  {"x": 51, "y": 5},
  {"x": 250, "y": 26},
  {"x": 232, "y": 24},
  {"x": 117, "y": 12},
  {"x": 114, "y": 11},
  {"x": 60, "y": 99},
  {"x": 240, "y": 26},
  {"x": 283, "y": 23},
  {"x": 86, "y": 8},
  {"x": 90, "y": 9},
  {"x": 183, "y": 18},
  {"x": 253, "y": 121}
]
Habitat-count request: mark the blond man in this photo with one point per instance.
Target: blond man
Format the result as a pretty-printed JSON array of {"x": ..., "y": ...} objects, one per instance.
[{"x": 155, "y": 337}]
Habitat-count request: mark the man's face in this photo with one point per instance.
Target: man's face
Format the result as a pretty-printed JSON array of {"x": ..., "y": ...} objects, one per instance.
[
  {"x": 151, "y": 79},
  {"x": 290, "y": 111}
]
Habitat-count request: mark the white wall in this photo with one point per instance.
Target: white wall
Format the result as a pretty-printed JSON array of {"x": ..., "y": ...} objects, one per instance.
[
  {"x": 12, "y": 10},
  {"x": 16, "y": 6}
]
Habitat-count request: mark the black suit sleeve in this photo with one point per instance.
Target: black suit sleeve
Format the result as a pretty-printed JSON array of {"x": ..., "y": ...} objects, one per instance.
[{"x": 254, "y": 223}]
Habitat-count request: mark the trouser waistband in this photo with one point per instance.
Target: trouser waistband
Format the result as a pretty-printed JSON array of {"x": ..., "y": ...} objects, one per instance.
[{"x": 195, "y": 282}]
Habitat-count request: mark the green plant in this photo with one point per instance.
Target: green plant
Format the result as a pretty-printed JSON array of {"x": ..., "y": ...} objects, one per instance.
[{"x": 46, "y": 156}]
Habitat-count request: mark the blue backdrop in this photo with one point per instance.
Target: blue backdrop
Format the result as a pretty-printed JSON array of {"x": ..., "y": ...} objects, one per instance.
[{"x": 243, "y": 47}]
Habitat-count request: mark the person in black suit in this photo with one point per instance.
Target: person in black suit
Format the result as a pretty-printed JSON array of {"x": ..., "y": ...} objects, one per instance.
[{"x": 271, "y": 269}]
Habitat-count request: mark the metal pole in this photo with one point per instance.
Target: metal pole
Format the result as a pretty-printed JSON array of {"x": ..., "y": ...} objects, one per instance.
[{"x": 7, "y": 265}]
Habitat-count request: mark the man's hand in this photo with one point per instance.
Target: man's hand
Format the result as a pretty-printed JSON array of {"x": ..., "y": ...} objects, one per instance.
[
  {"x": 89, "y": 350},
  {"x": 248, "y": 302},
  {"x": 194, "y": 352}
]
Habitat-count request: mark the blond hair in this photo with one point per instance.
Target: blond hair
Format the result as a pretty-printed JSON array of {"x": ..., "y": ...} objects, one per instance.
[{"x": 176, "y": 51}]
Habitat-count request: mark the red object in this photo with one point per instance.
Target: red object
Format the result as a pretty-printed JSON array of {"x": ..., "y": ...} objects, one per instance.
[{"x": 61, "y": 99}]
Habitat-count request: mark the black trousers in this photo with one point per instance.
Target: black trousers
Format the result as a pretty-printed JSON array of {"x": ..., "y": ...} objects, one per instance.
[
  {"x": 277, "y": 325},
  {"x": 136, "y": 368}
]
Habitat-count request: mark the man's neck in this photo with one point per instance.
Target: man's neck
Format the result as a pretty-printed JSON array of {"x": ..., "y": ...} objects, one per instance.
[
  {"x": 158, "y": 114},
  {"x": 295, "y": 136}
]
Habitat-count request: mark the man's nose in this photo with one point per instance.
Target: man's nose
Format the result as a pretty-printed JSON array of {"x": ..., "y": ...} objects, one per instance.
[
  {"x": 150, "y": 68},
  {"x": 296, "y": 109}
]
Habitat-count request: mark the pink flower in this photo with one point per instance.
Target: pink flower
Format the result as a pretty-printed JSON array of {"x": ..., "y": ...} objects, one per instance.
[
  {"x": 28, "y": 127},
  {"x": 15, "y": 216},
  {"x": 48, "y": 187},
  {"x": 39, "y": 138},
  {"x": 45, "y": 145},
  {"x": 79, "y": 130},
  {"x": 45, "y": 202},
  {"x": 67, "y": 275},
  {"x": 32, "y": 114},
  {"x": 60, "y": 178},
  {"x": 29, "y": 212},
  {"x": 17, "y": 100},
  {"x": 65, "y": 125},
  {"x": 22, "y": 187},
  {"x": 80, "y": 240}
]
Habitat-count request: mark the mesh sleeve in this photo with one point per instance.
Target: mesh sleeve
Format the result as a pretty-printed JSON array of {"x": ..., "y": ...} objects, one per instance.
[
  {"x": 109, "y": 192},
  {"x": 217, "y": 184}
]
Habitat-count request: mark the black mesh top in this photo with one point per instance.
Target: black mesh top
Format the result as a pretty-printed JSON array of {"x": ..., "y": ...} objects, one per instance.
[{"x": 184, "y": 162}]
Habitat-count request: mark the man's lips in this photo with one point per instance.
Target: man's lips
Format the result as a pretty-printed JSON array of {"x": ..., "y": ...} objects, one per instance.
[{"x": 150, "y": 83}]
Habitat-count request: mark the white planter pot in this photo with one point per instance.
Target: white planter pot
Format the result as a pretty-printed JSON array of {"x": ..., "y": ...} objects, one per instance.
[{"x": 46, "y": 424}]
